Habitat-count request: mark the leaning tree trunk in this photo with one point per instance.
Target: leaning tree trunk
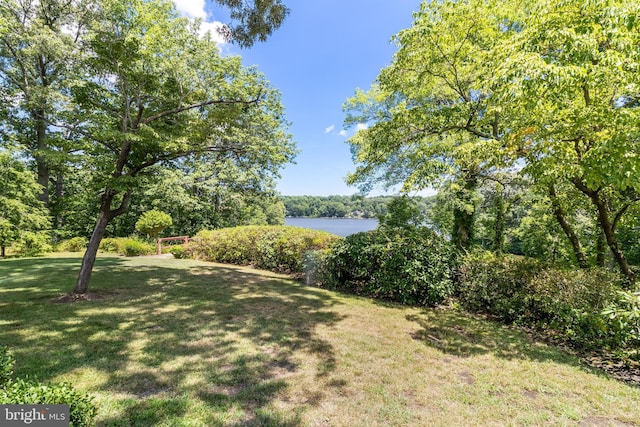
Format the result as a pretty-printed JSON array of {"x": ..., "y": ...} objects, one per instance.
[
  {"x": 558, "y": 212},
  {"x": 89, "y": 259},
  {"x": 104, "y": 218},
  {"x": 608, "y": 228}
]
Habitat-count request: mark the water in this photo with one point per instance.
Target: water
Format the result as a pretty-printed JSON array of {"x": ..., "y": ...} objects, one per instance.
[{"x": 340, "y": 226}]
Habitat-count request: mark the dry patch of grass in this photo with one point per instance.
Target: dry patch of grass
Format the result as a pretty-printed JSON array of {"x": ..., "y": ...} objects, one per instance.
[{"x": 185, "y": 343}]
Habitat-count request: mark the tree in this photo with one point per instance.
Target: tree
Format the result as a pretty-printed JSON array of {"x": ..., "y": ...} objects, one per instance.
[
  {"x": 154, "y": 92},
  {"x": 153, "y": 222},
  {"x": 569, "y": 78},
  {"x": 430, "y": 119},
  {"x": 20, "y": 210},
  {"x": 478, "y": 85},
  {"x": 39, "y": 44}
]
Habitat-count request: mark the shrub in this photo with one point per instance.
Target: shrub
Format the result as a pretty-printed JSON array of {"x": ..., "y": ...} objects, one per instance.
[
  {"x": 33, "y": 244},
  {"x": 109, "y": 244},
  {"x": 411, "y": 265},
  {"x": 127, "y": 246},
  {"x": 276, "y": 248},
  {"x": 82, "y": 410},
  {"x": 7, "y": 362},
  {"x": 178, "y": 251},
  {"x": 75, "y": 244},
  {"x": 624, "y": 325},
  {"x": 524, "y": 291},
  {"x": 494, "y": 285},
  {"x": 135, "y": 247}
]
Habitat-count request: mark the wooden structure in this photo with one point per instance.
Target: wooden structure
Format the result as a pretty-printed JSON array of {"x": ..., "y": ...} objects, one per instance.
[{"x": 185, "y": 240}]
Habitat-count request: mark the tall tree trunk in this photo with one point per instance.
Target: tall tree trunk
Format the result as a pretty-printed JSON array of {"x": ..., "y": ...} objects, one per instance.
[
  {"x": 608, "y": 228},
  {"x": 498, "y": 238},
  {"x": 463, "y": 217},
  {"x": 2, "y": 251},
  {"x": 558, "y": 212},
  {"x": 41, "y": 156},
  {"x": 59, "y": 193}
]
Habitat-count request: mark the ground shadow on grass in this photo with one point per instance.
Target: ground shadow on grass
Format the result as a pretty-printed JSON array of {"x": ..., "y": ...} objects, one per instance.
[
  {"x": 170, "y": 336},
  {"x": 462, "y": 334}
]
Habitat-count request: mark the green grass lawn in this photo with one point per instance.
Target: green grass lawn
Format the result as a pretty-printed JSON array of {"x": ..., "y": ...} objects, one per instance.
[{"x": 187, "y": 343}]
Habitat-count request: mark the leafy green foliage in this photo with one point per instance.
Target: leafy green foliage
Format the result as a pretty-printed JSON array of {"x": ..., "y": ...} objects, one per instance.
[
  {"x": 343, "y": 206},
  {"x": 33, "y": 243},
  {"x": 75, "y": 244},
  {"x": 19, "y": 391},
  {"x": 127, "y": 246},
  {"x": 408, "y": 266},
  {"x": 254, "y": 20},
  {"x": 524, "y": 291},
  {"x": 403, "y": 213},
  {"x": 82, "y": 409},
  {"x": 135, "y": 247},
  {"x": 153, "y": 222},
  {"x": 23, "y": 218},
  {"x": 275, "y": 248},
  {"x": 624, "y": 313},
  {"x": 178, "y": 251},
  {"x": 7, "y": 362}
]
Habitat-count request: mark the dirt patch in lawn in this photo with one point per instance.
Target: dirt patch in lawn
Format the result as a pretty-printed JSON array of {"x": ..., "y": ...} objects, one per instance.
[{"x": 90, "y": 296}]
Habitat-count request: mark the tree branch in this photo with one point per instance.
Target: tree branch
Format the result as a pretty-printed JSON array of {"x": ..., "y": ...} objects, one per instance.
[{"x": 199, "y": 105}]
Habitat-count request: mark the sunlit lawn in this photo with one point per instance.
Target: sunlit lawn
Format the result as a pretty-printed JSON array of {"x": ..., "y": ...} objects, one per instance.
[{"x": 186, "y": 343}]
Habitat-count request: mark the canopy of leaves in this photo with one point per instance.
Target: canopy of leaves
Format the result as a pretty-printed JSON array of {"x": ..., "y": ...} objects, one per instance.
[{"x": 20, "y": 210}]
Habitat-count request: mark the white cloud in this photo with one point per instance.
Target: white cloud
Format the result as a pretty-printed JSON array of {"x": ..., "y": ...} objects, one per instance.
[
  {"x": 329, "y": 129},
  {"x": 212, "y": 27},
  {"x": 191, "y": 8},
  {"x": 362, "y": 126},
  {"x": 342, "y": 133},
  {"x": 195, "y": 9}
]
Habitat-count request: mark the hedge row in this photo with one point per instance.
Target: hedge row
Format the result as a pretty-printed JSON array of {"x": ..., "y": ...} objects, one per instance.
[
  {"x": 276, "y": 248},
  {"x": 586, "y": 307}
]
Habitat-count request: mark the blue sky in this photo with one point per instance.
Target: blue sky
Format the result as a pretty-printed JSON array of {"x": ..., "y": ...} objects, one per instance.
[{"x": 322, "y": 53}]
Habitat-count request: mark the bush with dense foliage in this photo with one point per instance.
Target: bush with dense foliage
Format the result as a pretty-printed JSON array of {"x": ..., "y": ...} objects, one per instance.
[
  {"x": 16, "y": 391},
  {"x": 33, "y": 244},
  {"x": 275, "y": 248},
  {"x": 75, "y": 244},
  {"x": 127, "y": 246},
  {"x": 412, "y": 265},
  {"x": 624, "y": 316},
  {"x": 524, "y": 291},
  {"x": 7, "y": 361},
  {"x": 401, "y": 260}
]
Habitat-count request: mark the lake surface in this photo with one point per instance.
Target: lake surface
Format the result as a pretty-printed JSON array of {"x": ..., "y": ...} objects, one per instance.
[{"x": 340, "y": 226}]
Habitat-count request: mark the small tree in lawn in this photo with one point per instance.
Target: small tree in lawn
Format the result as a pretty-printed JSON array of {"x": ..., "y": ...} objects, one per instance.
[{"x": 153, "y": 222}]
